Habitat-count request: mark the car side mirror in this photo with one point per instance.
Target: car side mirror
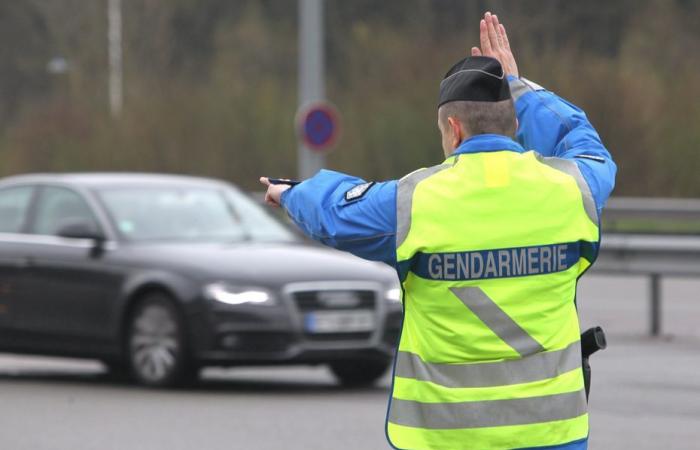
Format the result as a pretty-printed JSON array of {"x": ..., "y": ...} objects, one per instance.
[{"x": 80, "y": 229}]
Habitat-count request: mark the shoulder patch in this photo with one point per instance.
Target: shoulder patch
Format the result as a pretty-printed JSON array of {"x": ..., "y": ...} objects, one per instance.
[
  {"x": 358, "y": 191},
  {"x": 599, "y": 159}
]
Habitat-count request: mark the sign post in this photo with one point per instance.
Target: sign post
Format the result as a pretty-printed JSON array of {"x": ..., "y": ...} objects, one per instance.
[
  {"x": 114, "y": 40},
  {"x": 311, "y": 76}
]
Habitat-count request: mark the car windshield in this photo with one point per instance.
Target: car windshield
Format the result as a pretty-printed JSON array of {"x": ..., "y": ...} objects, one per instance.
[{"x": 158, "y": 213}]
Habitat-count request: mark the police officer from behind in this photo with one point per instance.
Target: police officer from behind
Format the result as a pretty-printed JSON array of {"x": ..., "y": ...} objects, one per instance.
[{"x": 488, "y": 246}]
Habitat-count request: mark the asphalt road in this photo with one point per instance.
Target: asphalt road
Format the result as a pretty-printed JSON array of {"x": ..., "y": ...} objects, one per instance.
[{"x": 646, "y": 394}]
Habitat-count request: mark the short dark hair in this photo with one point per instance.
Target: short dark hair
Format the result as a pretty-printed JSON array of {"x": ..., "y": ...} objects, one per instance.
[{"x": 481, "y": 117}]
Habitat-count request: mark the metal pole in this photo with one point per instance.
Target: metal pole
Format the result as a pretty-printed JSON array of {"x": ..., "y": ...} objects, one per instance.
[
  {"x": 311, "y": 75},
  {"x": 114, "y": 42},
  {"x": 655, "y": 304}
]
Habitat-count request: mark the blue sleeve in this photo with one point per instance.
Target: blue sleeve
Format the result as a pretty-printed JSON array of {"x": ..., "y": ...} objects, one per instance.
[
  {"x": 552, "y": 126},
  {"x": 364, "y": 226}
]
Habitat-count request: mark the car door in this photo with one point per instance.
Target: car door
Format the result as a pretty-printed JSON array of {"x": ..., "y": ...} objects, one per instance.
[
  {"x": 73, "y": 286},
  {"x": 15, "y": 204}
]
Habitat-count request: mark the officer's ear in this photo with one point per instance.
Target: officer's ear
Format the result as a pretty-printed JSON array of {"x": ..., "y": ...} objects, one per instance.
[{"x": 458, "y": 133}]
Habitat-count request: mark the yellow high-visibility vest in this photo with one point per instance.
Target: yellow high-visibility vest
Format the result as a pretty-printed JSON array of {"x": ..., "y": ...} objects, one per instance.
[{"x": 489, "y": 248}]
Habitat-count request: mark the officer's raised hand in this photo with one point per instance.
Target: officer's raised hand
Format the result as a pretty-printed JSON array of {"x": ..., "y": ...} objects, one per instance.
[{"x": 494, "y": 43}]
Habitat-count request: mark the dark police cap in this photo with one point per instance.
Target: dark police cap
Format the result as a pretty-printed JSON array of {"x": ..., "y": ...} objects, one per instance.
[{"x": 475, "y": 78}]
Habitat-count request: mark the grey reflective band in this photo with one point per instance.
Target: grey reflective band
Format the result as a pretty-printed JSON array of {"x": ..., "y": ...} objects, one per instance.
[
  {"x": 404, "y": 199},
  {"x": 497, "y": 320},
  {"x": 540, "y": 366},
  {"x": 521, "y": 86},
  {"x": 489, "y": 413},
  {"x": 570, "y": 167}
]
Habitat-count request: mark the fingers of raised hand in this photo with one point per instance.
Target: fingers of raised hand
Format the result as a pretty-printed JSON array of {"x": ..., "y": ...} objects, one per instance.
[
  {"x": 491, "y": 30},
  {"x": 484, "y": 38},
  {"x": 497, "y": 28},
  {"x": 506, "y": 43},
  {"x": 494, "y": 43}
]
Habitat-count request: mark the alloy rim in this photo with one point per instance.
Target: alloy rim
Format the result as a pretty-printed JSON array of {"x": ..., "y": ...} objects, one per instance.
[{"x": 154, "y": 344}]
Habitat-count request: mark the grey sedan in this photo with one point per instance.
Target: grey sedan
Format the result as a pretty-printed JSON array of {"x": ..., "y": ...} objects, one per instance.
[{"x": 161, "y": 275}]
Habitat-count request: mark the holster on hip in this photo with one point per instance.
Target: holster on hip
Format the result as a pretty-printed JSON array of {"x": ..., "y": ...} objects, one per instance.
[{"x": 592, "y": 340}]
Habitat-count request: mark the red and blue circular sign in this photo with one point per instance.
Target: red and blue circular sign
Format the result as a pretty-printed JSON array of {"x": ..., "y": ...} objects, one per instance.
[{"x": 319, "y": 126}]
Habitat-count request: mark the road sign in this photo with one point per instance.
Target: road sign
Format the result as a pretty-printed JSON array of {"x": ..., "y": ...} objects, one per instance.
[{"x": 318, "y": 125}]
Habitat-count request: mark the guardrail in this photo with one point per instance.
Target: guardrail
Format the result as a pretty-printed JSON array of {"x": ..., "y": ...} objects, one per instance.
[
  {"x": 652, "y": 215},
  {"x": 653, "y": 237},
  {"x": 652, "y": 255}
]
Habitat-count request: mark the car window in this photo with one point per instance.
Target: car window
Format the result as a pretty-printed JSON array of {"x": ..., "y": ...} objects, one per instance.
[
  {"x": 58, "y": 207},
  {"x": 14, "y": 204},
  {"x": 147, "y": 214},
  {"x": 187, "y": 213}
]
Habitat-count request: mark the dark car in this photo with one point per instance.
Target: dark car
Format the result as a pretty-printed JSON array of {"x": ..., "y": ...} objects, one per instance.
[{"x": 160, "y": 275}]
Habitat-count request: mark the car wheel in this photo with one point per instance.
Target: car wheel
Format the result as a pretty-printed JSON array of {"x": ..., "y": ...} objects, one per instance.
[
  {"x": 156, "y": 343},
  {"x": 357, "y": 373}
]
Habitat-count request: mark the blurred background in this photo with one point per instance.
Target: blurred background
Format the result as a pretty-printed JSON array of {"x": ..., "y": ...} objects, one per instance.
[
  {"x": 210, "y": 87},
  {"x": 219, "y": 78}
]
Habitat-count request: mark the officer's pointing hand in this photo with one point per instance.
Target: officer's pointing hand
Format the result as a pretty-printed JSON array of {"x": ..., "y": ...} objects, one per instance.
[
  {"x": 274, "y": 191},
  {"x": 494, "y": 43}
]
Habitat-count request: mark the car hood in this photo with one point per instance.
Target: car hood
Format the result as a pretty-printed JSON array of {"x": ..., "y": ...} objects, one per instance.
[{"x": 265, "y": 264}]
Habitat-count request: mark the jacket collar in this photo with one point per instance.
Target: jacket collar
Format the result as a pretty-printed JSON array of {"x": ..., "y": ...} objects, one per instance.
[{"x": 488, "y": 143}]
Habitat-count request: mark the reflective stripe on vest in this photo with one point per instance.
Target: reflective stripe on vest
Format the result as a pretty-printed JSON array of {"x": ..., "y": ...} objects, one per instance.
[
  {"x": 497, "y": 321},
  {"x": 490, "y": 413},
  {"x": 539, "y": 366},
  {"x": 489, "y": 247}
]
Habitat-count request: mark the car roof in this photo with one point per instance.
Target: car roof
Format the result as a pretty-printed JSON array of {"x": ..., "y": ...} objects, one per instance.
[{"x": 103, "y": 179}]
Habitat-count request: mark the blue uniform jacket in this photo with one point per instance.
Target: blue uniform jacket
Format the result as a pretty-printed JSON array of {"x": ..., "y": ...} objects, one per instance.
[{"x": 363, "y": 221}]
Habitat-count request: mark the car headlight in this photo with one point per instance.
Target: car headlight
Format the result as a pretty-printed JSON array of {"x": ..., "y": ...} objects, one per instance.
[
  {"x": 235, "y": 295},
  {"x": 393, "y": 294}
]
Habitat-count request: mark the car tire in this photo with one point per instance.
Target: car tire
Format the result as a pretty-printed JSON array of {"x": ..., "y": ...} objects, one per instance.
[
  {"x": 359, "y": 373},
  {"x": 156, "y": 344}
]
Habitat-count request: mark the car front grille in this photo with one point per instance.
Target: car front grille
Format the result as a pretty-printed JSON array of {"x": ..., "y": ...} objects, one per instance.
[
  {"x": 340, "y": 301},
  {"x": 315, "y": 301}
]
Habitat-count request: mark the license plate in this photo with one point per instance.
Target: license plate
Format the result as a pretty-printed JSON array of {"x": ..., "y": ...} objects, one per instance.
[{"x": 339, "y": 321}]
